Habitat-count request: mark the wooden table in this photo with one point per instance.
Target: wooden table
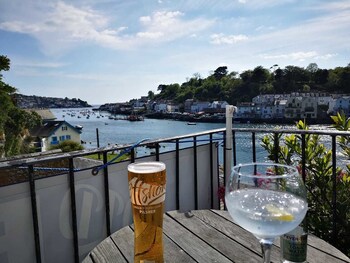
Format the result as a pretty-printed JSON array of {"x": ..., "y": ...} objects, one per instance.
[{"x": 205, "y": 236}]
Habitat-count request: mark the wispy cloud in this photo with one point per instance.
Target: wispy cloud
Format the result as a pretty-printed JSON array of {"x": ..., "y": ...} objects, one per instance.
[
  {"x": 53, "y": 65},
  {"x": 323, "y": 37},
  {"x": 167, "y": 26},
  {"x": 298, "y": 56},
  {"x": 219, "y": 39},
  {"x": 258, "y": 4},
  {"x": 65, "y": 26}
]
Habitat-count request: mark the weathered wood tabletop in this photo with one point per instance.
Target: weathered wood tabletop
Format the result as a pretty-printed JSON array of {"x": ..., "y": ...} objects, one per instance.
[{"x": 205, "y": 236}]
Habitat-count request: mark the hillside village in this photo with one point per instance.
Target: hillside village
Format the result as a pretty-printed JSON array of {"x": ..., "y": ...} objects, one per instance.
[{"x": 315, "y": 107}]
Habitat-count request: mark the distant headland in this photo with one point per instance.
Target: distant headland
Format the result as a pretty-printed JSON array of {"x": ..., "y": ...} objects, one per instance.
[{"x": 29, "y": 102}]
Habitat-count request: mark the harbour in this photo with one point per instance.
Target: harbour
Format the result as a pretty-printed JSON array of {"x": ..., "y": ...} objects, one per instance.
[{"x": 117, "y": 130}]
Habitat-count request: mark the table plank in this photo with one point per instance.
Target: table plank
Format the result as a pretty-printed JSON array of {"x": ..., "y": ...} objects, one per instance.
[
  {"x": 205, "y": 236},
  {"x": 194, "y": 246},
  {"x": 107, "y": 251},
  {"x": 172, "y": 252},
  {"x": 321, "y": 245},
  {"x": 222, "y": 243},
  {"x": 87, "y": 259},
  {"x": 234, "y": 232},
  {"x": 124, "y": 239},
  {"x": 323, "y": 253}
]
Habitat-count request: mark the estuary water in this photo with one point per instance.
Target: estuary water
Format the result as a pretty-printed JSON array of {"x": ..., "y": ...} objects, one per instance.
[{"x": 121, "y": 132}]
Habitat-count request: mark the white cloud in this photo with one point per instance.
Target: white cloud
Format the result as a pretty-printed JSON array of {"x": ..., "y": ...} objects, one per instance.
[
  {"x": 298, "y": 56},
  {"x": 326, "y": 56},
  {"x": 258, "y": 4},
  {"x": 53, "y": 65},
  {"x": 219, "y": 39},
  {"x": 167, "y": 26},
  {"x": 150, "y": 35},
  {"x": 333, "y": 6},
  {"x": 64, "y": 26}
]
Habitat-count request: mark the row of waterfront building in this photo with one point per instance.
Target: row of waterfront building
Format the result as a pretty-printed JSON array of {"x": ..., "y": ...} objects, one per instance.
[{"x": 266, "y": 106}]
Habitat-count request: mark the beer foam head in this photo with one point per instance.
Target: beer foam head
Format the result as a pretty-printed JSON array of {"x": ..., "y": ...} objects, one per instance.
[{"x": 146, "y": 167}]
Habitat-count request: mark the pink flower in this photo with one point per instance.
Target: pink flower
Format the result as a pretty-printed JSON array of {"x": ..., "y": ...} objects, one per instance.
[
  {"x": 340, "y": 176},
  {"x": 221, "y": 193}
]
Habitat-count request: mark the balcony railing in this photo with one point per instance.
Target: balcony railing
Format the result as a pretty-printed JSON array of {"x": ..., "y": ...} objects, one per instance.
[{"x": 190, "y": 157}]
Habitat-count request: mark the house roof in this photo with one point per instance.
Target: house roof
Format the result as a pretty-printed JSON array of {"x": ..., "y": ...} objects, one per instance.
[{"x": 49, "y": 128}]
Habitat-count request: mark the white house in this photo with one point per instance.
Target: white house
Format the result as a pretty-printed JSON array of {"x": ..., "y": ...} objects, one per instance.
[
  {"x": 218, "y": 104},
  {"x": 266, "y": 111},
  {"x": 279, "y": 109},
  {"x": 160, "y": 107},
  {"x": 53, "y": 132},
  {"x": 171, "y": 107},
  {"x": 188, "y": 103},
  {"x": 293, "y": 107},
  {"x": 324, "y": 99},
  {"x": 341, "y": 104},
  {"x": 245, "y": 110},
  {"x": 309, "y": 106},
  {"x": 199, "y": 106}
]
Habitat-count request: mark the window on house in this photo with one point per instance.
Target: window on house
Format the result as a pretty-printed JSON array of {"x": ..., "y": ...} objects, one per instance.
[
  {"x": 64, "y": 128},
  {"x": 54, "y": 139},
  {"x": 62, "y": 138},
  {"x": 68, "y": 137}
]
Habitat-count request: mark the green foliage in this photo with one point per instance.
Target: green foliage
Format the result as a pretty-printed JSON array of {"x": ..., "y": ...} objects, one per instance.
[
  {"x": 68, "y": 146},
  {"x": 14, "y": 122},
  {"x": 341, "y": 123},
  {"x": 234, "y": 88},
  {"x": 319, "y": 180}
]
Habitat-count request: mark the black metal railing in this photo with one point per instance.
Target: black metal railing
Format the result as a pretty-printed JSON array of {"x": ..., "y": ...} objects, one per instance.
[{"x": 196, "y": 139}]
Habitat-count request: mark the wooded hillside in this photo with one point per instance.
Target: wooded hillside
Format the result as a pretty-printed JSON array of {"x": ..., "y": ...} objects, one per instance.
[{"x": 234, "y": 88}]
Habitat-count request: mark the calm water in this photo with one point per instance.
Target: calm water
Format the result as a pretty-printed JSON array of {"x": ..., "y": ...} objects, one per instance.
[{"x": 125, "y": 132}]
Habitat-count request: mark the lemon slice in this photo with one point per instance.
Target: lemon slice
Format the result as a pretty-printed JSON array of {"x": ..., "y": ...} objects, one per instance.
[{"x": 277, "y": 213}]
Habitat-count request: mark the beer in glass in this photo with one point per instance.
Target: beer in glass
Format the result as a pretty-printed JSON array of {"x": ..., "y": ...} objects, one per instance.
[{"x": 147, "y": 182}]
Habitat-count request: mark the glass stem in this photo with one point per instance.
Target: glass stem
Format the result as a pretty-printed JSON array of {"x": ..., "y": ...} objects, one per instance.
[{"x": 266, "y": 249}]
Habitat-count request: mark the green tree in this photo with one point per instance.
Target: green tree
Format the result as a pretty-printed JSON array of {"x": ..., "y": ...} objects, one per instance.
[
  {"x": 150, "y": 95},
  {"x": 319, "y": 180},
  {"x": 68, "y": 146},
  {"x": 14, "y": 122},
  {"x": 220, "y": 72}
]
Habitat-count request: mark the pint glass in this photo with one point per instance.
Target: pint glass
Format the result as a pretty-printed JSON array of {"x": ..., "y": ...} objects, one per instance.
[{"x": 147, "y": 193}]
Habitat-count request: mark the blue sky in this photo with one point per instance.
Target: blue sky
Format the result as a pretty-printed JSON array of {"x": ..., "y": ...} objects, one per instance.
[{"x": 116, "y": 50}]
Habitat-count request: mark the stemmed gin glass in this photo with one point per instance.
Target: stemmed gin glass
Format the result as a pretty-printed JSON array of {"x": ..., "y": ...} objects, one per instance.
[{"x": 267, "y": 200}]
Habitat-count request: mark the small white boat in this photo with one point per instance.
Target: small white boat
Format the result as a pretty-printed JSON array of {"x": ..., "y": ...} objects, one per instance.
[{"x": 191, "y": 123}]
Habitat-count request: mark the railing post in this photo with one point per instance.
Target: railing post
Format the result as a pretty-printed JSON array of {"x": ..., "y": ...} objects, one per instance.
[
  {"x": 276, "y": 146},
  {"x": 157, "y": 152},
  {"x": 303, "y": 156},
  {"x": 195, "y": 172},
  {"x": 211, "y": 171},
  {"x": 334, "y": 196},
  {"x": 106, "y": 189},
  {"x": 234, "y": 148},
  {"x": 98, "y": 143},
  {"x": 225, "y": 163},
  {"x": 34, "y": 213},
  {"x": 74, "y": 210},
  {"x": 253, "y": 146},
  {"x": 132, "y": 156},
  {"x": 177, "y": 175}
]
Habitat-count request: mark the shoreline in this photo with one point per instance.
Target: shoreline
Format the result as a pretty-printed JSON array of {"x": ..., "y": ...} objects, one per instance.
[{"x": 217, "y": 119}]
